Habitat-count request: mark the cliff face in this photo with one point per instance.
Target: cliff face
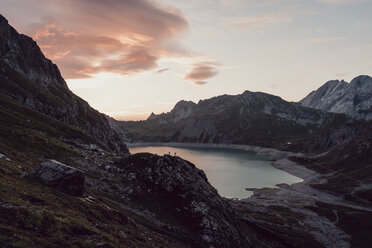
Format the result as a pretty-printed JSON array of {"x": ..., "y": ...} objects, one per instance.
[
  {"x": 250, "y": 118},
  {"x": 33, "y": 80},
  {"x": 354, "y": 98},
  {"x": 22, "y": 54}
]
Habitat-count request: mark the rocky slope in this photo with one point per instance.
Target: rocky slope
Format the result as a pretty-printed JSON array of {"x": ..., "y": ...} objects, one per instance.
[
  {"x": 346, "y": 159},
  {"x": 33, "y": 80},
  {"x": 250, "y": 118},
  {"x": 66, "y": 178},
  {"x": 127, "y": 201},
  {"x": 354, "y": 98}
]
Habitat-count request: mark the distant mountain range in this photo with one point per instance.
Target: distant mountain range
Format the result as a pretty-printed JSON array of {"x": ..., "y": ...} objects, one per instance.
[
  {"x": 250, "y": 118},
  {"x": 353, "y": 99},
  {"x": 247, "y": 118}
]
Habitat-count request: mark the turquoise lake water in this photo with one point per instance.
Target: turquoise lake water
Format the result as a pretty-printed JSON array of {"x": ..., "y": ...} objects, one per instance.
[{"x": 229, "y": 171}]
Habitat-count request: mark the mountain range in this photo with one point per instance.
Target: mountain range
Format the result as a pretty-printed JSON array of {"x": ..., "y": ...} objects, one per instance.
[
  {"x": 257, "y": 118},
  {"x": 253, "y": 118}
]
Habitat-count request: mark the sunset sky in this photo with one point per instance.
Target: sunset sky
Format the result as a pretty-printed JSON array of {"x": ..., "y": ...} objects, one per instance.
[{"x": 129, "y": 58}]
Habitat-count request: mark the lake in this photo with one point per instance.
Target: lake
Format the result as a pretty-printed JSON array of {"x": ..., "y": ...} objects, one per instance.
[{"x": 230, "y": 171}]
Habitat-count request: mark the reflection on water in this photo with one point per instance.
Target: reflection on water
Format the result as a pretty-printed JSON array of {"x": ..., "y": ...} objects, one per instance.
[{"x": 229, "y": 171}]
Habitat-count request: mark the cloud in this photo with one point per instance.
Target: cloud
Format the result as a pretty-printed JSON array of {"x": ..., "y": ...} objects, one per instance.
[
  {"x": 253, "y": 22},
  {"x": 84, "y": 37},
  {"x": 162, "y": 70},
  {"x": 201, "y": 71},
  {"x": 200, "y": 82}
]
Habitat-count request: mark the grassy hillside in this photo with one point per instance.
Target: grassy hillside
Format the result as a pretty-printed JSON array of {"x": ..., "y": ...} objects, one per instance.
[{"x": 35, "y": 215}]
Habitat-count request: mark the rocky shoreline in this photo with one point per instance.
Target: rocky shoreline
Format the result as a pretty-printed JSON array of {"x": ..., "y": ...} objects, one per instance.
[{"x": 280, "y": 158}]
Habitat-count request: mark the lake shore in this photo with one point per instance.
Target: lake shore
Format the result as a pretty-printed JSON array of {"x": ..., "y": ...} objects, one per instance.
[{"x": 280, "y": 158}]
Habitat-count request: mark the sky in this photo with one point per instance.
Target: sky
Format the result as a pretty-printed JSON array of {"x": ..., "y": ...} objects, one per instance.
[{"x": 129, "y": 58}]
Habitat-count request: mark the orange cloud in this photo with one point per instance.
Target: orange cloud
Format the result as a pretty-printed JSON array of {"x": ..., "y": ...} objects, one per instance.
[
  {"x": 84, "y": 37},
  {"x": 201, "y": 71}
]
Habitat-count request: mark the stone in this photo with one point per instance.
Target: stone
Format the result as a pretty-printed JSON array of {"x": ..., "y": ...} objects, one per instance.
[{"x": 60, "y": 176}]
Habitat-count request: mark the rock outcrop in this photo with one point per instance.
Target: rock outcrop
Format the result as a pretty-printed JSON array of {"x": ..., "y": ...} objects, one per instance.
[
  {"x": 176, "y": 187},
  {"x": 33, "y": 80},
  {"x": 60, "y": 176},
  {"x": 181, "y": 110},
  {"x": 354, "y": 98}
]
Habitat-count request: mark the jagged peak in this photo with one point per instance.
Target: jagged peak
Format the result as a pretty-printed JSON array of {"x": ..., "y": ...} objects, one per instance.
[
  {"x": 183, "y": 103},
  {"x": 152, "y": 116},
  {"x": 341, "y": 97},
  {"x": 23, "y": 54},
  {"x": 333, "y": 83}
]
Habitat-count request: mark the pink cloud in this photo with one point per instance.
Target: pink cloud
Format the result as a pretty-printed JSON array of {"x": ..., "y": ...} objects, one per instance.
[
  {"x": 84, "y": 37},
  {"x": 162, "y": 70},
  {"x": 200, "y": 82},
  {"x": 201, "y": 71}
]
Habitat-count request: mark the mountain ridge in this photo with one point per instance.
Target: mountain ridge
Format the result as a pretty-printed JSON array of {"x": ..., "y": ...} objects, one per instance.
[
  {"x": 353, "y": 99},
  {"x": 240, "y": 119}
]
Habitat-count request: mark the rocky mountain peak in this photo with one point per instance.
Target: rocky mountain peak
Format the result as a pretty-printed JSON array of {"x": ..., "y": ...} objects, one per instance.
[
  {"x": 184, "y": 104},
  {"x": 363, "y": 82},
  {"x": 152, "y": 116},
  {"x": 259, "y": 96},
  {"x": 23, "y": 54},
  {"x": 182, "y": 110},
  {"x": 336, "y": 96}
]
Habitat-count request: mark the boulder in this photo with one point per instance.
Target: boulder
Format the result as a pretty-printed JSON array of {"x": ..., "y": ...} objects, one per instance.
[{"x": 60, "y": 176}]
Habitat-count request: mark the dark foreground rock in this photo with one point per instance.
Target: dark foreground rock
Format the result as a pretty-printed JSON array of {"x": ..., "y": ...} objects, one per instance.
[
  {"x": 174, "y": 187},
  {"x": 60, "y": 176}
]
